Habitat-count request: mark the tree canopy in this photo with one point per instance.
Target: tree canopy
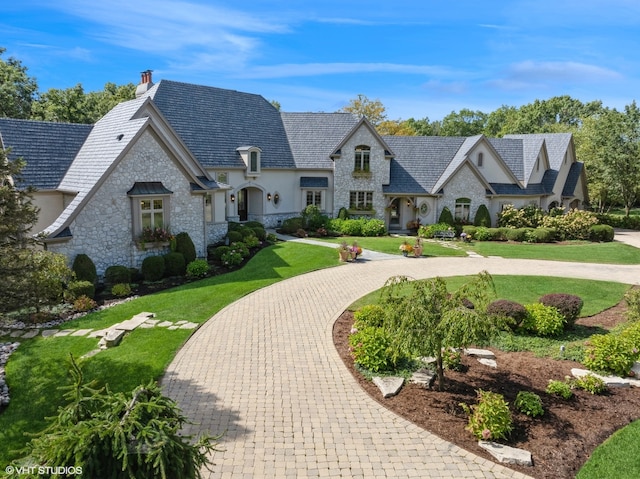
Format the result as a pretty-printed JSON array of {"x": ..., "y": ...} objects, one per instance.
[{"x": 17, "y": 89}]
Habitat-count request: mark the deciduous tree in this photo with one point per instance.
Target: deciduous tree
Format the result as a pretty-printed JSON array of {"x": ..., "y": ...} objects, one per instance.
[{"x": 17, "y": 89}]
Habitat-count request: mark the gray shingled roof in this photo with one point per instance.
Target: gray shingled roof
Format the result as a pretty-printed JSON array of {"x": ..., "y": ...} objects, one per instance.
[
  {"x": 314, "y": 182},
  {"x": 313, "y": 136},
  {"x": 557, "y": 144},
  {"x": 213, "y": 122},
  {"x": 47, "y": 147},
  {"x": 419, "y": 162},
  {"x": 511, "y": 152},
  {"x": 572, "y": 179}
]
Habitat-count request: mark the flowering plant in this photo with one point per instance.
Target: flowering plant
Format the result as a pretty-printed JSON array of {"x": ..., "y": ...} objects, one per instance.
[
  {"x": 155, "y": 235},
  {"x": 355, "y": 249},
  {"x": 405, "y": 247}
]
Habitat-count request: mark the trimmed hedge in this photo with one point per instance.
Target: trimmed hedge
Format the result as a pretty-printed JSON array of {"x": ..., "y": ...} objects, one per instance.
[
  {"x": 174, "y": 264},
  {"x": 117, "y": 274},
  {"x": 234, "y": 236},
  {"x": 76, "y": 289},
  {"x": 85, "y": 269},
  {"x": 512, "y": 310},
  {"x": 185, "y": 246},
  {"x": 446, "y": 216},
  {"x": 602, "y": 233},
  {"x": 568, "y": 305},
  {"x": 483, "y": 217},
  {"x": 153, "y": 268}
]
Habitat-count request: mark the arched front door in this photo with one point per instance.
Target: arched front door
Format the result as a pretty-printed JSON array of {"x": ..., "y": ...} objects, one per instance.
[{"x": 243, "y": 204}]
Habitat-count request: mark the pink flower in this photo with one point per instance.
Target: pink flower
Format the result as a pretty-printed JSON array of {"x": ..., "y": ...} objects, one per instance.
[{"x": 486, "y": 434}]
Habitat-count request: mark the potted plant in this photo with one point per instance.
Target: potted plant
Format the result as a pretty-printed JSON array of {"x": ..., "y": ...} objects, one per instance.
[
  {"x": 406, "y": 248},
  {"x": 344, "y": 251},
  {"x": 355, "y": 251},
  {"x": 417, "y": 247}
]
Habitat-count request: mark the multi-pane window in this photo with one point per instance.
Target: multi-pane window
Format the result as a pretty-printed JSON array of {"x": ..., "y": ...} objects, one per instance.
[
  {"x": 362, "y": 156},
  {"x": 361, "y": 200},
  {"x": 463, "y": 209},
  {"x": 222, "y": 177},
  {"x": 152, "y": 213},
  {"x": 314, "y": 198}
]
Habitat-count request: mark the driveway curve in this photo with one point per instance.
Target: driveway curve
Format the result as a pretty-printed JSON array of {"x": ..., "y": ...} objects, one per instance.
[{"x": 265, "y": 372}]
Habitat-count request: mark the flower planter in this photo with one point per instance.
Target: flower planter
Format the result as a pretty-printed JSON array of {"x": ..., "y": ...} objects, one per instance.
[
  {"x": 145, "y": 245},
  {"x": 344, "y": 256},
  {"x": 417, "y": 251}
]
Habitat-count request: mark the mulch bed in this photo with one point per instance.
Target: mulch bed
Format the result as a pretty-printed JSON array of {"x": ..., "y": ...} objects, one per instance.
[{"x": 560, "y": 441}]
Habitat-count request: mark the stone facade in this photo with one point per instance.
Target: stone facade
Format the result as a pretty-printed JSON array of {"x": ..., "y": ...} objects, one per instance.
[
  {"x": 346, "y": 180},
  {"x": 464, "y": 184},
  {"x": 103, "y": 229}
]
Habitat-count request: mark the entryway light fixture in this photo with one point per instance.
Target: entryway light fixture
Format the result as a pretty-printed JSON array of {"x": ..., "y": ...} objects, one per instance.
[
  {"x": 233, "y": 197},
  {"x": 268, "y": 196}
]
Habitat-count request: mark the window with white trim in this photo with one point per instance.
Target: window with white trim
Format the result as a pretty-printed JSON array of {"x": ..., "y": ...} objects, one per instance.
[
  {"x": 361, "y": 200},
  {"x": 362, "y": 159},
  {"x": 254, "y": 162},
  {"x": 480, "y": 159},
  {"x": 314, "y": 197},
  {"x": 462, "y": 209},
  {"x": 152, "y": 213}
]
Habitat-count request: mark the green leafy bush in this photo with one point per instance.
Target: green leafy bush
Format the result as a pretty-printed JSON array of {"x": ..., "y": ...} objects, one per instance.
[
  {"x": 568, "y": 305},
  {"x": 232, "y": 257},
  {"x": 632, "y": 298},
  {"x": 84, "y": 303},
  {"x": 369, "y": 315},
  {"x": 352, "y": 227},
  {"x": 483, "y": 234},
  {"x": 526, "y": 217},
  {"x": 374, "y": 227},
  {"x": 517, "y": 234},
  {"x": 470, "y": 230},
  {"x": 246, "y": 232},
  {"x": 234, "y": 226},
  {"x": 483, "y": 217},
  {"x": 313, "y": 218},
  {"x": 75, "y": 289},
  {"x": 153, "y": 268},
  {"x": 591, "y": 383},
  {"x": 576, "y": 224},
  {"x": 429, "y": 231},
  {"x": 601, "y": 233},
  {"x": 251, "y": 241},
  {"x": 529, "y": 403},
  {"x": 609, "y": 353},
  {"x": 185, "y": 246},
  {"x": 371, "y": 349},
  {"x": 174, "y": 264},
  {"x": 490, "y": 419},
  {"x": 260, "y": 232},
  {"x": 197, "y": 269},
  {"x": 446, "y": 217},
  {"x": 216, "y": 253},
  {"x": 85, "y": 269},
  {"x": 117, "y": 274},
  {"x": 631, "y": 334},
  {"x": 452, "y": 359},
  {"x": 543, "y": 320},
  {"x": 121, "y": 290},
  {"x": 512, "y": 310},
  {"x": 234, "y": 236},
  {"x": 542, "y": 235},
  {"x": 343, "y": 213},
  {"x": 291, "y": 225},
  {"x": 240, "y": 248},
  {"x": 559, "y": 388}
]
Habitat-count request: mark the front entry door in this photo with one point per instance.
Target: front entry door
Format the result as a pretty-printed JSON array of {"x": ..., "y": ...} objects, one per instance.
[
  {"x": 394, "y": 215},
  {"x": 243, "y": 206}
]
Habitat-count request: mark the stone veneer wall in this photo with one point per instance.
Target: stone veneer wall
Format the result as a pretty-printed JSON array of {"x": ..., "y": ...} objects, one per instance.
[
  {"x": 345, "y": 182},
  {"x": 103, "y": 229},
  {"x": 465, "y": 184}
]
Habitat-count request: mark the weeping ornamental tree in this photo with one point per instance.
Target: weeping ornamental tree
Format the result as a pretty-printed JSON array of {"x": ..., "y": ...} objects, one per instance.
[
  {"x": 134, "y": 435},
  {"x": 424, "y": 318}
]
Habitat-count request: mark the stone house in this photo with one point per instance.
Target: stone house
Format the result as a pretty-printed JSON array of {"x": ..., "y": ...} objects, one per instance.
[{"x": 192, "y": 158}]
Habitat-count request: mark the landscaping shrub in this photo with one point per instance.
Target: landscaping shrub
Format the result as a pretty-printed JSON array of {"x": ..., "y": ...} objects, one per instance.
[
  {"x": 576, "y": 224},
  {"x": 517, "y": 234},
  {"x": 246, "y": 232},
  {"x": 234, "y": 236},
  {"x": 241, "y": 248},
  {"x": 526, "y": 217},
  {"x": 217, "y": 253},
  {"x": 85, "y": 269},
  {"x": 483, "y": 234},
  {"x": 452, "y": 359},
  {"x": 609, "y": 353},
  {"x": 542, "y": 235},
  {"x": 568, "y": 305},
  {"x": 370, "y": 315},
  {"x": 543, "y": 320},
  {"x": 512, "y": 310},
  {"x": 559, "y": 388},
  {"x": 291, "y": 225},
  {"x": 343, "y": 213},
  {"x": 371, "y": 349},
  {"x": 117, "y": 274},
  {"x": 352, "y": 227},
  {"x": 373, "y": 227},
  {"x": 631, "y": 222},
  {"x": 233, "y": 226},
  {"x": 121, "y": 289},
  {"x": 591, "y": 383},
  {"x": 185, "y": 246},
  {"x": 197, "y": 269},
  {"x": 632, "y": 298},
  {"x": 470, "y": 230},
  {"x": 153, "y": 268},
  {"x": 601, "y": 233},
  {"x": 260, "y": 232},
  {"x": 174, "y": 264},
  {"x": 429, "y": 231},
  {"x": 446, "y": 217},
  {"x": 253, "y": 224},
  {"x": 313, "y": 218},
  {"x": 529, "y": 403},
  {"x": 251, "y": 241},
  {"x": 490, "y": 419},
  {"x": 483, "y": 217},
  {"x": 76, "y": 289},
  {"x": 84, "y": 303},
  {"x": 631, "y": 333}
]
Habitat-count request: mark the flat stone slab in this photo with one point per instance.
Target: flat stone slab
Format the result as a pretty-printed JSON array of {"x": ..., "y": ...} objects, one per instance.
[
  {"x": 506, "y": 454},
  {"x": 182, "y": 321},
  {"x": 428, "y": 359},
  {"x": 152, "y": 322},
  {"x": 133, "y": 323},
  {"x": 91, "y": 353},
  {"x": 146, "y": 325},
  {"x": 480, "y": 353},
  {"x": 98, "y": 333},
  {"x": 389, "y": 386},
  {"x": 165, "y": 324},
  {"x": 63, "y": 332},
  {"x": 81, "y": 332},
  {"x": 4, "y": 332},
  {"x": 173, "y": 328},
  {"x": 47, "y": 333},
  {"x": 488, "y": 362},
  {"x": 610, "y": 381},
  {"x": 17, "y": 333},
  {"x": 423, "y": 377},
  {"x": 188, "y": 325},
  {"x": 112, "y": 338},
  {"x": 32, "y": 333}
]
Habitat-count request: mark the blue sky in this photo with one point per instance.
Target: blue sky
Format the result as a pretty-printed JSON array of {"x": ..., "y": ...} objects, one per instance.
[{"x": 420, "y": 58}]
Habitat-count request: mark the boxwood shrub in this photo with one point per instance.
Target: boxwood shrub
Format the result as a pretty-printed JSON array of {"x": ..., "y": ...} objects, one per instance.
[
  {"x": 153, "y": 268},
  {"x": 185, "y": 245},
  {"x": 517, "y": 234},
  {"x": 601, "y": 233},
  {"x": 234, "y": 236},
  {"x": 75, "y": 289},
  {"x": 117, "y": 274},
  {"x": 174, "y": 264},
  {"x": 85, "y": 269}
]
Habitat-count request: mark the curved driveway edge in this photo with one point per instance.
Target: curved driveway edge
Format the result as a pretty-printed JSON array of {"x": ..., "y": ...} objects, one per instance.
[{"x": 264, "y": 370}]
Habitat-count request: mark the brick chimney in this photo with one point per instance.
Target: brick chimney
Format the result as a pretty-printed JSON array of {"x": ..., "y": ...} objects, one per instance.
[{"x": 145, "y": 83}]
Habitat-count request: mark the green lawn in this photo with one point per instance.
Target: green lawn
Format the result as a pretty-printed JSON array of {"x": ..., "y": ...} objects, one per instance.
[
  {"x": 581, "y": 252},
  {"x": 617, "y": 457},
  {"x": 39, "y": 365},
  {"x": 391, "y": 245}
]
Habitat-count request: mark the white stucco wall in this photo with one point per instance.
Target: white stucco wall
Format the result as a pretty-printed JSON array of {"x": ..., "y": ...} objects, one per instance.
[
  {"x": 51, "y": 205},
  {"x": 103, "y": 229}
]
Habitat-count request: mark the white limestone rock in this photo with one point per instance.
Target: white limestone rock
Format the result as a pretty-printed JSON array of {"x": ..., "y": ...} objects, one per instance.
[
  {"x": 506, "y": 454},
  {"x": 389, "y": 386}
]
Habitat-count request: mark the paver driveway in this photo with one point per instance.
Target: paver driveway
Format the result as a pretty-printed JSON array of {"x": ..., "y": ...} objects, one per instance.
[{"x": 265, "y": 370}]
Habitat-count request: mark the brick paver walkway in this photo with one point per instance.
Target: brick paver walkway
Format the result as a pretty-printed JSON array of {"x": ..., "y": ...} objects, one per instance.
[{"x": 264, "y": 371}]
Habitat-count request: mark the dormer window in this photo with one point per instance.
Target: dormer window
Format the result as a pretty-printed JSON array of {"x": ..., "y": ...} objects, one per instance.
[
  {"x": 480, "y": 159},
  {"x": 251, "y": 157},
  {"x": 362, "y": 159}
]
